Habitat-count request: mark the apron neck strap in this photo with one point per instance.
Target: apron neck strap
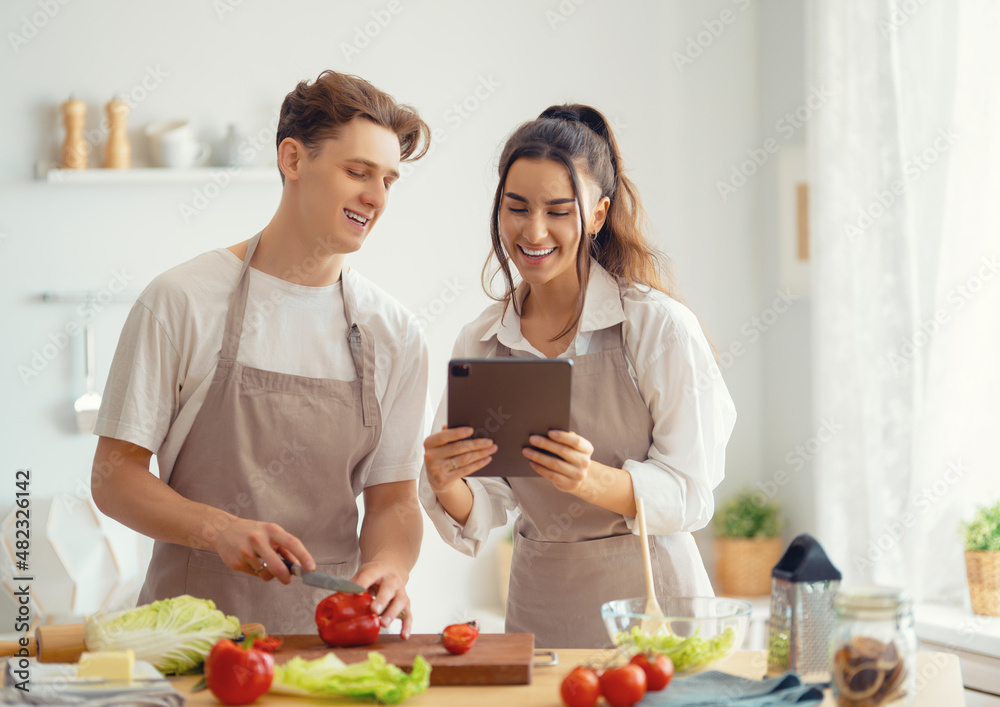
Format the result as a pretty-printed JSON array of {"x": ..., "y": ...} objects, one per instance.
[
  {"x": 237, "y": 308},
  {"x": 362, "y": 349}
]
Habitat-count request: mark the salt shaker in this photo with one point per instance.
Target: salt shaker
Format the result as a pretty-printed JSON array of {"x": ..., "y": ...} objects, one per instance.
[
  {"x": 874, "y": 648},
  {"x": 74, "y": 148},
  {"x": 117, "y": 151}
]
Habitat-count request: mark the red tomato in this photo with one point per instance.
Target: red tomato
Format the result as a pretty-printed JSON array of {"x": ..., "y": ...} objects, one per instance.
[
  {"x": 347, "y": 620},
  {"x": 459, "y": 638},
  {"x": 659, "y": 670},
  {"x": 267, "y": 643},
  {"x": 236, "y": 673},
  {"x": 580, "y": 688},
  {"x": 623, "y": 687}
]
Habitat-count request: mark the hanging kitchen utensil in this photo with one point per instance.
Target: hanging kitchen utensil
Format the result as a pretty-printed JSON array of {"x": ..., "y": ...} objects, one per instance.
[
  {"x": 89, "y": 403},
  {"x": 649, "y": 625}
]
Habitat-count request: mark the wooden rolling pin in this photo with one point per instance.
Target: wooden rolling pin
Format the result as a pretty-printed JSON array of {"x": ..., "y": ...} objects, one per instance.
[{"x": 63, "y": 643}]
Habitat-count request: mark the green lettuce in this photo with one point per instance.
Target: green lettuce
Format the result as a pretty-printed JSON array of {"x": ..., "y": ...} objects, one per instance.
[
  {"x": 687, "y": 654},
  {"x": 174, "y": 634},
  {"x": 331, "y": 677}
]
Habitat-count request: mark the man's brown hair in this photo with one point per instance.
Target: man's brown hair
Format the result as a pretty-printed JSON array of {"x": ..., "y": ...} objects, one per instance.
[{"x": 315, "y": 112}]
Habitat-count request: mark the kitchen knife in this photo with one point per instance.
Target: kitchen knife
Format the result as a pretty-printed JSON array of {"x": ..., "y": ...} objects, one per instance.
[{"x": 326, "y": 581}]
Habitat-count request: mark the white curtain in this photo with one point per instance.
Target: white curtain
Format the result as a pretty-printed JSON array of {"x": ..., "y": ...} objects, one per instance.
[{"x": 904, "y": 162}]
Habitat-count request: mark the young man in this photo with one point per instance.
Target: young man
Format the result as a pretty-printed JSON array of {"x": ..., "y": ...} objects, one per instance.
[{"x": 275, "y": 385}]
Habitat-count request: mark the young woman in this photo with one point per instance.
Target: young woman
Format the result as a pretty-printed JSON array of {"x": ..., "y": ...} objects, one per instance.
[{"x": 650, "y": 414}]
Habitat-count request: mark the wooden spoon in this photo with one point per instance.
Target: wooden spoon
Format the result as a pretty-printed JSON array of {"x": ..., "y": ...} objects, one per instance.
[{"x": 650, "y": 626}]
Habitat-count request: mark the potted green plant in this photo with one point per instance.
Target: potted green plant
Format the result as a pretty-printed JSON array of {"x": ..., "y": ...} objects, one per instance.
[
  {"x": 982, "y": 559},
  {"x": 747, "y": 543}
]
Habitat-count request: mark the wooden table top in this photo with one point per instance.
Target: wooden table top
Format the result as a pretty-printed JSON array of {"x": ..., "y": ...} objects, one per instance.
[{"x": 939, "y": 682}]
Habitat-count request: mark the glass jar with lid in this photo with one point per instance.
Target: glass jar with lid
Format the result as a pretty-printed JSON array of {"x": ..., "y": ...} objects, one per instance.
[{"x": 874, "y": 648}]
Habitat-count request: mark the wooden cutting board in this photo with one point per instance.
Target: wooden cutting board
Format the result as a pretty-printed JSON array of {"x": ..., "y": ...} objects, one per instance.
[{"x": 496, "y": 659}]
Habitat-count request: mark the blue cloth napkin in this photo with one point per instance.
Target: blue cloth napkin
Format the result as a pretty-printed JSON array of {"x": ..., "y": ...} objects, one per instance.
[{"x": 718, "y": 689}]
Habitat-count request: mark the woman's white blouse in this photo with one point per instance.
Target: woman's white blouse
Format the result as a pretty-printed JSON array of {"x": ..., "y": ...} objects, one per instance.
[{"x": 673, "y": 368}]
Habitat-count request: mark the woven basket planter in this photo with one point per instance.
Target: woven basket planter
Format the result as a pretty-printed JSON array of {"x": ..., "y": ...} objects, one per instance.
[
  {"x": 743, "y": 565},
  {"x": 983, "y": 571}
]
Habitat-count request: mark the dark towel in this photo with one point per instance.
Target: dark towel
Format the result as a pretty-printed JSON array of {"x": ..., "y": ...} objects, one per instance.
[{"x": 717, "y": 689}]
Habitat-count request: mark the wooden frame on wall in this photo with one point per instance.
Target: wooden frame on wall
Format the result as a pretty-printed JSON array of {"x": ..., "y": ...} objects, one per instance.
[{"x": 793, "y": 220}]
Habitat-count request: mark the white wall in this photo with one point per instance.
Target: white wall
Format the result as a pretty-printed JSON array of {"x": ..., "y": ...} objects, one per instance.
[{"x": 680, "y": 129}]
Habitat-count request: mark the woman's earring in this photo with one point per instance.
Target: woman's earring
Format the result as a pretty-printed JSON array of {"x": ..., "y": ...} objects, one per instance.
[{"x": 593, "y": 236}]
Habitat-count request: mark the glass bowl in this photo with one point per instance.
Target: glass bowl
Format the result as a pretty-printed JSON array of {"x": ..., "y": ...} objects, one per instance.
[{"x": 695, "y": 632}]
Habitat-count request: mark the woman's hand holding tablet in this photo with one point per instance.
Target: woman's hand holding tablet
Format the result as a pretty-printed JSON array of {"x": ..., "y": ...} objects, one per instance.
[
  {"x": 450, "y": 455},
  {"x": 567, "y": 462}
]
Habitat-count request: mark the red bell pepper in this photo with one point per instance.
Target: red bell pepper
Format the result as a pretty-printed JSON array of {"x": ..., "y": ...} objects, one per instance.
[
  {"x": 347, "y": 620},
  {"x": 237, "y": 673}
]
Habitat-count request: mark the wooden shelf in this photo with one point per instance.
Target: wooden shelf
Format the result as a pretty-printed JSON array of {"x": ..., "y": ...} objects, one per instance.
[{"x": 162, "y": 176}]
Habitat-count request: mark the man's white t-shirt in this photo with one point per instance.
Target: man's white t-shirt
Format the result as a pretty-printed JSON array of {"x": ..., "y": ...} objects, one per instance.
[{"x": 172, "y": 339}]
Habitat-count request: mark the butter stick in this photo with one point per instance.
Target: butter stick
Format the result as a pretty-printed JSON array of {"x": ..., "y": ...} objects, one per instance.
[{"x": 113, "y": 666}]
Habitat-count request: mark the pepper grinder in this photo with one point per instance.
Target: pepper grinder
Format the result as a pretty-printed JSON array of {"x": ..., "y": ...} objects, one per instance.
[
  {"x": 117, "y": 151},
  {"x": 74, "y": 147}
]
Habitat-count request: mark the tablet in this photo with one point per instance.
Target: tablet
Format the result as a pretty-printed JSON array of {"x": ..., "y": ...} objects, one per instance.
[{"x": 508, "y": 400}]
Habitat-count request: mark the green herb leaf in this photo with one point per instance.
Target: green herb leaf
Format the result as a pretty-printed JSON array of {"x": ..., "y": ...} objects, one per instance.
[
  {"x": 983, "y": 531},
  {"x": 687, "y": 654},
  {"x": 748, "y": 515},
  {"x": 372, "y": 679}
]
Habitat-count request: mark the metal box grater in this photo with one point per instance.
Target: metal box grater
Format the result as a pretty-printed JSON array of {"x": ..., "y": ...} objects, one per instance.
[{"x": 803, "y": 585}]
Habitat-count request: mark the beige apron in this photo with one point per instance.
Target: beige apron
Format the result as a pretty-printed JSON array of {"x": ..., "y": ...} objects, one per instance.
[
  {"x": 571, "y": 556},
  {"x": 281, "y": 448}
]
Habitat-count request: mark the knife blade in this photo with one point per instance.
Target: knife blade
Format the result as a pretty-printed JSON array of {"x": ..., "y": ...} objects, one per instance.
[{"x": 319, "y": 579}]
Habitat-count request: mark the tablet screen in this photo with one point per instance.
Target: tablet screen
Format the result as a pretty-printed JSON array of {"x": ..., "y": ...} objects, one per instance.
[{"x": 508, "y": 400}]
